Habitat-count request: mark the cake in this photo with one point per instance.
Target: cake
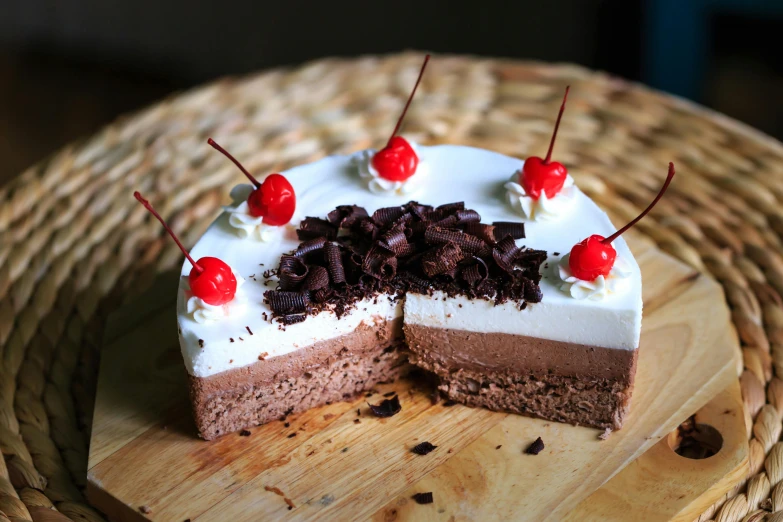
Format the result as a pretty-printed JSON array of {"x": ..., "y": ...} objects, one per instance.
[{"x": 497, "y": 275}]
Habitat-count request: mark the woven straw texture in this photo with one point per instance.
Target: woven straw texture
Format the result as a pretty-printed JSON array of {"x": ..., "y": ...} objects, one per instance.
[{"x": 74, "y": 244}]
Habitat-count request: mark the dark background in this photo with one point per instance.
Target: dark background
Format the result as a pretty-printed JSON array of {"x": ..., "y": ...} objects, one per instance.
[{"x": 67, "y": 67}]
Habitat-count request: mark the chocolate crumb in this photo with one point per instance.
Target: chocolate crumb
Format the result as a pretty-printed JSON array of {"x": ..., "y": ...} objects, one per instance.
[
  {"x": 328, "y": 416},
  {"x": 423, "y": 448},
  {"x": 390, "y": 394},
  {"x": 231, "y": 339},
  {"x": 249, "y": 330},
  {"x": 451, "y": 450},
  {"x": 241, "y": 339},
  {"x": 292, "y": 435},
  {"x": 555, "y": 253},
  {"x": 536, "y": 447},
  {"x": 201, "y": 343},
  {"x": 449, "y": 403},
  {"x": 231, "y": 361},
  {"x": 387, "y": 407},
  {"x": 605, "y": 434},
  {"x": 145, "y": 509},
  {"x": 345, "y": 450},
  {"x": 263, "y": 356},
  {"x": 287, "y": 424},
  {"x": 358, "y": 412},
  {"x": 244, "y": 433},
  {"x": 423, "y": 498},
  {"x": 498, "y": 446},
  {"x": 357, "y": 421}
]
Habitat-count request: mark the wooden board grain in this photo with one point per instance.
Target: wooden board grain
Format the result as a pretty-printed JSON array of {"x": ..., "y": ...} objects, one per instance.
[{"x": 340, "y": 463}]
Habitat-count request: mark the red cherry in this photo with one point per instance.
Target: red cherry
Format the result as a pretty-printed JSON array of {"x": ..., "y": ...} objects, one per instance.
[
  {"x": 595, "y": 256},
  {"x": 397, "y": 161},
  {"x": 537, "y": 177},
  {"x": 210, "y": 279},
  {"x": 538, "y": 174},
  {"x": 274, "y": 199},
  {"x": 591, "y": 258},
  {"x": 215, "y": 283}
]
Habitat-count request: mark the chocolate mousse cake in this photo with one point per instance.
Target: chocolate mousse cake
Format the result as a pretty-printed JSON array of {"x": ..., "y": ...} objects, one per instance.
[{"x": 497, "y": 275}]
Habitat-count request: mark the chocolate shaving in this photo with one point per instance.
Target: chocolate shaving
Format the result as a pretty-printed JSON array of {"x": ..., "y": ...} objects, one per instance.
[
  {"x": 468, "y": 216},
  {"x": 536, "y": 447},
  {"x": 387, "y": 215},
  {"x": 287, "y": 302},
  {"x": 395, "y": 239},
  {"x": 423, "y": 498},
  {"x": 466, "y": 242},
  {"x": 509, "y": 228},
  {"x": 423, "y": 448},
  {"x": 317, "y": 278},
  {"x": 441, "y": 259},
  {"x": 310, "y": 246},
  {"x": 292, "y": 272},
  {"x": 380, "y": 263},
  {"x": 482, "y": 231},
  {"x": 293, "y": 318},
  {"x": 334, "y": 260},
  {"x": 387, "y": 407},
  {"x": 346, "y": 216},
  {"x": 452, "y": 207},
  {"x": 313, "y": 228},
  {"x": 475, "y": 273}
]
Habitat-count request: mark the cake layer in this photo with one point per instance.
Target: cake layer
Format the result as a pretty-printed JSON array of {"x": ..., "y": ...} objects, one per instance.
[
  {"x": 564, "y": 382},
  {"x": 614, "y": 324},
  {"x": 454, "y": 173},
  {"x": 327, "y": 371}
]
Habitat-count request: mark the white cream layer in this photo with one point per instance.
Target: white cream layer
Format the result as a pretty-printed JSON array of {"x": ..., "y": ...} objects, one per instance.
[{"x": 455, "y": 173}]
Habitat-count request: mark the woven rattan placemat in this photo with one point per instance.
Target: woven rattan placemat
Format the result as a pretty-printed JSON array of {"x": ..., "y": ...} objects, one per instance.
[{"x": 74, "y": 244}]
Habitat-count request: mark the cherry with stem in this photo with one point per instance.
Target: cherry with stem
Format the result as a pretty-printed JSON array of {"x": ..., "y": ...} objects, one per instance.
[
  {"x": 227, "y": 154},
  {"x": 152, "y": 211},
  {"x": 557, "y": 126},
  {"x": 410, "y": 99}
]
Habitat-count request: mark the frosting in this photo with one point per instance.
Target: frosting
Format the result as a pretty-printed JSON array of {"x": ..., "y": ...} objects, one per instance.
[
  {"x": 598, "y": 289},
  {"x": 454, "y": 173},
  {"x": 379, "y": 185},
  {"x": 543, "y": 208},
  {"x": 245, "y": 224},
  {"x": 205, "y": 313}
]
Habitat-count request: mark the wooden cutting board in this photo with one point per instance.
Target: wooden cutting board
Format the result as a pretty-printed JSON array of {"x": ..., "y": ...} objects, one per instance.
[{"x": 340, "y": 463}]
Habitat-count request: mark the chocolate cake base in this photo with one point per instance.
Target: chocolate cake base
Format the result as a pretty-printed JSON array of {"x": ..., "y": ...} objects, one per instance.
[
  {"x": 563, "y": 382},
  {"x": 328, "y": 371}
]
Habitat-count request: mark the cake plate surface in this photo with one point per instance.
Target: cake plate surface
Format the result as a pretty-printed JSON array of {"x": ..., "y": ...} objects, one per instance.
[{"x": 339, "y": 462}]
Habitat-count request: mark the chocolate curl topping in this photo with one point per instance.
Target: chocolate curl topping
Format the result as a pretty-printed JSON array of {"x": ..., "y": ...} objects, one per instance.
[
  {"x": 334, "y": 261},
  {"x": 285, "y": 303},
  {"x": 313, "y": 228},
  {"x": 474, "y": 274},
  {"x": 388, "y": 215},
  {"x": 467, "y": 216},
  {"x": 532, "y": 292},
  {"x": 441, "y": 236},
  {"x": 395, "y": 239},
  {"x": 312, "y": 245},
  {"x": 380, "y": 263},
  {"x": 480, "y": 230},
  {"x": 317, "y": 278},
  {"x": 447, "y": 222},
  {"x": 509, "y": 228},
  {"x": 292, "y": 272},
  {"x": 504, "y": 252},
  {"x": 452, "y": 207},
  {"x": 442, "y": 259},
  {"x": 346, "y": 216}
]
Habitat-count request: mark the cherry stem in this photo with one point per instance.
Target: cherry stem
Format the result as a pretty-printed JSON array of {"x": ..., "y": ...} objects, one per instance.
[
  {"x": 147, "y": 205},
  {"x": 557, "y": 126},
  {"x": 617, "y": 234},
  {"x": 227, "y": 154},
  {"x": 410, "y": 98}
]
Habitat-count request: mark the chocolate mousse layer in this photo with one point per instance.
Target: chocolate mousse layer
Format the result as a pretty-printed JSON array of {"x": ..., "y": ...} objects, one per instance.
[
  {"x": 327, "y": 371},
  {"x": 564, "y": 382}
]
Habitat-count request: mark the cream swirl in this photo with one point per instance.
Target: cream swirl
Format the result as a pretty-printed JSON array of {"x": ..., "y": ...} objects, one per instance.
[
  {"x": 204, "y": 313},
  {"x": 379, "y": 185},
  {"x": 246, "y": 224},
  {"x": 543, "y": 208},
  {"x": 598, "y": 289}
]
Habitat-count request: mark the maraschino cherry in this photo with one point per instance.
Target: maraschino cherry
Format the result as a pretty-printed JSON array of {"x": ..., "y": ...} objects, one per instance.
[
  {"x": 595, "y": 256},
  {"x": 210, "y": 279},
  {"x": 274, "y": 199},
  {"x": 544, "y": 175},
  {"x": 397, "y": 161}
]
